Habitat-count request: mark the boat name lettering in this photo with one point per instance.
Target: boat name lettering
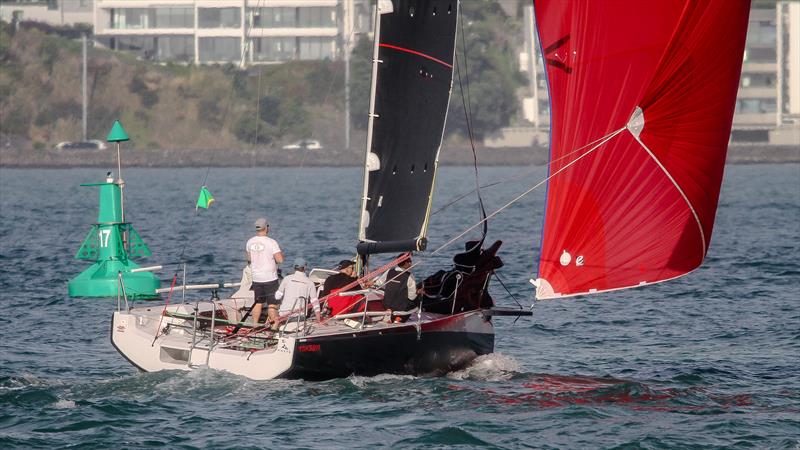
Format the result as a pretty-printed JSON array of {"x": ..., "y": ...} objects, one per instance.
[{"x": 309, "y": 348}]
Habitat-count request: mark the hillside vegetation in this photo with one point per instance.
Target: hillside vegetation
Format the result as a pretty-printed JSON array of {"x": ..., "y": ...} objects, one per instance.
[
  {"x": 161, "y": 106},
  {"x": 167, "y": 107}
]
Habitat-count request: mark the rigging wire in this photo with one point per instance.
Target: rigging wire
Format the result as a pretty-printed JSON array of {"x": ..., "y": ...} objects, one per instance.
[
  {"x": 467, "y": 104},
  {"x": 245, "y": 49},
  {"x": 258, "y": 107},
  {"x": 519, "y": 197},
  {"x": 223, "y": 122},
  {"x": 519, "y": 176},
  {"x": 465, "y": 98},
  {"x": 327, "y": 95},
  {"x": 597, "y": 144},
  {"x": 513, "y": 297}
]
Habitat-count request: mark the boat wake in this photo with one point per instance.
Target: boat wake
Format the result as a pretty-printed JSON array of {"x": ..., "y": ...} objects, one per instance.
[
  {"x": 362, "y": 382},
  {"x": 491, "y": 367},
  {"x": 556, "y": 391},
  {"x": 23, "y": 381}
]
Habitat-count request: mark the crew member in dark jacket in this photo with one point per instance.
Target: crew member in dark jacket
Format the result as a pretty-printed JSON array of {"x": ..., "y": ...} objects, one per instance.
[
  {"x": 341, "y": 279},
  {"x": 399, "y": 290}
]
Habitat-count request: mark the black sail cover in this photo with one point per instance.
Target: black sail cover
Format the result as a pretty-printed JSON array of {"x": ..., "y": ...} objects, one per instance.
[{"x": 412, "y": 84}]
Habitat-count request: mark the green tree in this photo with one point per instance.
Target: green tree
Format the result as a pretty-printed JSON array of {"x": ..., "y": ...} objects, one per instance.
[
  {"x": 293, "y": 120},
  {"x": 5, "y": 44},
  {"x": 489, "y": 76},
  {"x": 239, "y": 79},
  {"x": 326, "y": 81},
  {"x": 68, "y": 109},
  {"x": 18, "y": 123},
  {"x": 49, "y": 52},
  {"x": 138, "y": 86},
  {"x": 269, "y": 109},
  {"x": 287, "y": 115},
  {"x": 251, "y": 129},
  {"x": 277, "y": 117},
  {"x": 360, "y": 80},
  {"x": 489, "y": 73}
]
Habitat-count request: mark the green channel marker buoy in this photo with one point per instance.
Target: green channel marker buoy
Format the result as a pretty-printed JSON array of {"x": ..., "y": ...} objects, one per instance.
[{"x": 112, "y": 243}]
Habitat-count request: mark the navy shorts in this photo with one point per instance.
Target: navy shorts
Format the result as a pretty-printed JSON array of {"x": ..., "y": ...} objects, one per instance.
[{"x": 265, "y": 292}]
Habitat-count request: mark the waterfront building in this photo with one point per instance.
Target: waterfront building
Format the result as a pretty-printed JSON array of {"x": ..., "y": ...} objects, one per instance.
[
  {"x": 53, "y": 12},
  {"x": 768, "y": 104},
  {"x": 241, "y": 32}
]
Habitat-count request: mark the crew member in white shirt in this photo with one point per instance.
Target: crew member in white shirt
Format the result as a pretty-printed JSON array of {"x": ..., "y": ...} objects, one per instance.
[
  {"x": 297, "y": 290},
  {"x": 264, "y": 255}
]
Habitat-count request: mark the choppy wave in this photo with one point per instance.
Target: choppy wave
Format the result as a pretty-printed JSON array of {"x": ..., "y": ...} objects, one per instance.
[{"x": 708, "y": 360}]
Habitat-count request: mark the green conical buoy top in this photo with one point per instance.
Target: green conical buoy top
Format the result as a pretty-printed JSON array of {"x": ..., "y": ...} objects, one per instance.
[{"x": 117, "y": 133}]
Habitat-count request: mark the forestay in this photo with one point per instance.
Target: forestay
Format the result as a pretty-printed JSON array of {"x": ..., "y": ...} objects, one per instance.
[
  {"x": 412, "y": 79},
  {"x": 642, "y": 96}
]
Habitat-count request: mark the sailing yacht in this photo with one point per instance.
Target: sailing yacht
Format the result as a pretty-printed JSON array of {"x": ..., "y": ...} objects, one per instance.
[
  {"x": 642, "y": 98},
  {"x": 411, "y": 83}
]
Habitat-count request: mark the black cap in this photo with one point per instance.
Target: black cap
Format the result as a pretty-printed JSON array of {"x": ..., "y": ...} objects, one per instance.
[{"x": 343, "y": 264}]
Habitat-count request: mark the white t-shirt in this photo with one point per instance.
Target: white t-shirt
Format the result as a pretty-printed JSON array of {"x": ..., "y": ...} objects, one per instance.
[{"x": 262, "y": 251}]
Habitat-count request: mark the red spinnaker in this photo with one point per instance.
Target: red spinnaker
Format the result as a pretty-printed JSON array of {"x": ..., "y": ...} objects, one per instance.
[{"x": 642, "y": 95}]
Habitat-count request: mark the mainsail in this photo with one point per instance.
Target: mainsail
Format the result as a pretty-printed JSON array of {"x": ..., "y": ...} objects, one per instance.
[
  {"x": 642, "y": 96},
  {"x": 411, "y": 83}
]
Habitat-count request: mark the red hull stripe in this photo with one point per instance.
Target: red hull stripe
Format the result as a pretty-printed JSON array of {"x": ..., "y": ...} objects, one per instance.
[{"x": 414, "y": 52}]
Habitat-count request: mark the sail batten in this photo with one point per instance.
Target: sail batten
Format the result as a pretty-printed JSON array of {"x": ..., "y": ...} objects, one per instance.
[
  {"x": 413, "y": 57},
  {"x": 641, "y": 210}
]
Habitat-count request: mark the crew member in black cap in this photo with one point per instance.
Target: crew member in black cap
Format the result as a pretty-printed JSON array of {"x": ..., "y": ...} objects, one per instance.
[{"x": 339, "y": 280}]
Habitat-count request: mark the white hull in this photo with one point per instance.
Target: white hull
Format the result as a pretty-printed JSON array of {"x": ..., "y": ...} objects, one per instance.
[
  {"x": 133, "y": 334},
  {"x": 428, "y": 343}
]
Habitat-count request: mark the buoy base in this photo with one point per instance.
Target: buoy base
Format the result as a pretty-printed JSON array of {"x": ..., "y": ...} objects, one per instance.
[{"x": 100, "y": 280}]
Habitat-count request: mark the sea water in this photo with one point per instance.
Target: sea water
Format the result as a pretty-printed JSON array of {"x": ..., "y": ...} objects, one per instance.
[{"x": 705, "y": 361}]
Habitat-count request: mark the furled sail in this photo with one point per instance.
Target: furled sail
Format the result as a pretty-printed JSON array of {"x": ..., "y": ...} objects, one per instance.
[
  {"x": 411, "y": 83},
  {"x": 642, "y": 97}
]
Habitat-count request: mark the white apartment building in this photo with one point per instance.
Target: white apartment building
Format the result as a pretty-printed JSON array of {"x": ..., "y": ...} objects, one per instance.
[
  {"x": 242, "y": 32},
  {"x": 768, "y": 103},
  {"x": 54, "y": 12}
]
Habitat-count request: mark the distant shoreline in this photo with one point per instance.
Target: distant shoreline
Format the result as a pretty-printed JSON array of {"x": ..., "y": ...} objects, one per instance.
[{"x": 172, "y": 158}]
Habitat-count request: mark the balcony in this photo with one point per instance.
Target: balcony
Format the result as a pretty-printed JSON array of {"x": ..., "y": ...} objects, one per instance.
[
  {"x": 745, "y": 119},
  {"x": 759, "y": 67},
  {"x": 757, "y": 92}
]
